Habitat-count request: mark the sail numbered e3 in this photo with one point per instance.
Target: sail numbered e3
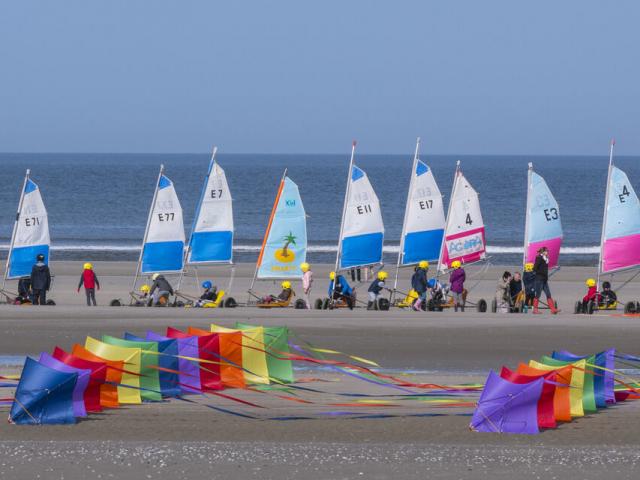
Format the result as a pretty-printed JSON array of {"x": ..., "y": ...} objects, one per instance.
[
  {"x": 464, "y": 237},
  {"x": 543, "y": 227},
  {"x": 362, "y": 229},
  {"x": 212, "y": 233},
  {"x": 30, "y": 236},
  {"x": 164, "y": 239}
]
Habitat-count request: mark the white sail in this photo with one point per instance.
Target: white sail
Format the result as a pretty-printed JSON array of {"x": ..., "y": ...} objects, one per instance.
[{"x": 212, "y": 236}]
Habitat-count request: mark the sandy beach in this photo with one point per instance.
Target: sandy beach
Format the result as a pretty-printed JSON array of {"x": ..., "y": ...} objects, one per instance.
[{"x": 175, "y": 439}]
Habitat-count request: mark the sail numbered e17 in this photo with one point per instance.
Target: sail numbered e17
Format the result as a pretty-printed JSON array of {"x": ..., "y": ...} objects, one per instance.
[
  {"x": 543, "y": 227},
  {"x": 212, "y": 234},
  {"x": 30, "y": 236},
  {"x": 464, "y": 237},
  {"x": 163, "y": 247}
]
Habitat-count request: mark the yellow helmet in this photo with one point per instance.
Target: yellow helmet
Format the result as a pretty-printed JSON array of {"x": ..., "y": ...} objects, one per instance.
[
  {"x": 145, "y": 288},
  {"x": 332, "y": 276},
  {"x": 423, "y": 264},
  {"x": 528, "y": 267},
  {"x": 88, "y": 266},
  {"x": 154, "y": 276},
  {"x": 382, "y": 275},
  {"x": 286, "y": 284},
  {"x": 590, "y": 282},
  {"x": 304, "y": 267},
  {"x": 456, "y": 264}
]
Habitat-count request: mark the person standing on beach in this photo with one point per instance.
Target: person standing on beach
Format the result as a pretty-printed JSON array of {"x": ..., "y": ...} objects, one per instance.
[
  {"x": 40, "y": 281},
  {"x": 456, "y": 280},
  {"x": 307, "y": 282},
  {"x": 541, "y": 269},
  {"x": 89, "y": 279},
  {"x": 419, "y": 284}
]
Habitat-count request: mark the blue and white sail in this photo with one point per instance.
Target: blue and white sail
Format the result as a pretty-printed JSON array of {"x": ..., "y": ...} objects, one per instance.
[
  {"x": 212, "y": 234},
  {"x": 362, "y": 232},
  {"x": 423, "y": 227},
  {"x": 30, "y": 236},
  {"x": 163, "y": 247},
  {"x": 284, "y": 247}
]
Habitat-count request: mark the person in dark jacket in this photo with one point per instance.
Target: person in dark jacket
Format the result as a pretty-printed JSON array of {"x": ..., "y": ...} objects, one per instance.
[
  {"x": 541, "y": 269},
  {"x": 24, "y": 291},
  {"x": 609, "y": 297},
  {"x": 375, "y": 288},
  {"x": 40, "y": 281},
  {"x": 161, "y": 288},
  {"x": 529, "y": 281},
  {"x": 419, "y": 284},
  {"x": 89, "y": 279}
]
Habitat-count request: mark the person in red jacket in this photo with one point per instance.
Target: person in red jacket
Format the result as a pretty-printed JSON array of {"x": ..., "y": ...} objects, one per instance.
[
  {"x": 592, "y": 294},
  {"x": 90, "y": 280}
]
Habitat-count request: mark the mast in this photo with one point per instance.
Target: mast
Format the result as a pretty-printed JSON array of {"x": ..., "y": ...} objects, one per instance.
[
  {"x": 268, "y": 230},
  {"x": 344, "y": 212},
  {"x": 146, "y": 231},
  {"x": 604, "y": 214},
  {"x": 526, "y": 216},
  {"x": 404, "y": 222},
  {"x": 446, "y": 223},
  {"x": 15, "y": 229},
  {"x": 197, "y": 214}
]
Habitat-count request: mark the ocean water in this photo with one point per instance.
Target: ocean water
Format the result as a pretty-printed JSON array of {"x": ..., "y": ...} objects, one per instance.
[{"x": 98, "y": 203}]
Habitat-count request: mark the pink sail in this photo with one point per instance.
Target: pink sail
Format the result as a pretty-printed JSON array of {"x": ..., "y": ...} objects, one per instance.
[{"x": 553, "y": 245}]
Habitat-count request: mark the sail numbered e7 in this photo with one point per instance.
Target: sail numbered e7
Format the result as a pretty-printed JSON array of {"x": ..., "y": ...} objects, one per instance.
[
  {"x": 30, "y": 236},
  {"x": 163, "y": 248},
  {"x": 212, "y": 235},
  {"x": 543, "y": 227},
  {"x": 464, "y": 237},
  {"x": 621, "y": 226},
  {"x": 285, "y": 245},
  {"x": 363, "y": 230}
]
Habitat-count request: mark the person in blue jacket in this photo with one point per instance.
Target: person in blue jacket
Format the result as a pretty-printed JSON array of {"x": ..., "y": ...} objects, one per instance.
[{"x": 342, "y": 289}]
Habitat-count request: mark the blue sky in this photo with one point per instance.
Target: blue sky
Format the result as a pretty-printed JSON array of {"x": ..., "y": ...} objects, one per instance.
[{"x": 471, "y": 76}]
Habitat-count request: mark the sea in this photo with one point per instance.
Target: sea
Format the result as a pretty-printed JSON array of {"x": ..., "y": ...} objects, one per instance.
[{"x": 98, "y": 203}]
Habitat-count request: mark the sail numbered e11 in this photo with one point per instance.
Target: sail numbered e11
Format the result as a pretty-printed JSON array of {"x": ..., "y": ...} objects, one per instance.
[
  {"x": 543, "y": 227},
  {"x": 212, "y": 236},
  {"x": 30, "y": 233},
  {"x": 464, "y": 237},
  {"x": 285, "y": 245},
  {"x": 363, "y": 231},
  {"x": 424, "y": 220},
  {"x": 163, "y": 249}
]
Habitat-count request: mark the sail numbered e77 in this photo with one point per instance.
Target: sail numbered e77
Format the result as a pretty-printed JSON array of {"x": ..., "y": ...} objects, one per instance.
[
  {"x": 543, "y": 225},
  {"x": 363, "y": 230},
  {"x": 30, "y": 233},
  {"x": 424, "y": 220},
  {"x": 212, "y": 237},
  {"x": 285, "y": 246},
  {"x": 163, "y": 249},
  {"x": 621, "y": 229},
  {"x": 464, "y": 237}
]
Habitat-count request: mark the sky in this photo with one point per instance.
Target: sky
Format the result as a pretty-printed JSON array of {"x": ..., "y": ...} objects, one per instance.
[{"x": 292, "y": 76}]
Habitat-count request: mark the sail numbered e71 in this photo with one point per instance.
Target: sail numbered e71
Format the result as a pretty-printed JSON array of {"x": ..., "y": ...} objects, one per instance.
[
  {"x": 163, "y": 248},
  {"x": 464, "y": 237},
  {"x": 30, "y": 236},
  {"x": 212, "y": 236}
]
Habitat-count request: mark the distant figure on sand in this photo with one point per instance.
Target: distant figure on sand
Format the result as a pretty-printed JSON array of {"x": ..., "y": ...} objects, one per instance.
[
  {"x": 342, "y": 290},
  {"x": 89, "y": 279},
  {"x": 541, "y": 269},
  {"x": 503, "y": 293},
  {"x": 419, "y": 284},
  {"x": 40, "y": 281},
  {"x": 161, "y": 289},
  {"x": 456, "y": 281},
  {"x": 307, "y": 282},
  {"x": 284, "y": 296},
  {"x": 375, "y": 288},
  {"x": 529, "y": 281},
  {"x": 209, "y": 294}
]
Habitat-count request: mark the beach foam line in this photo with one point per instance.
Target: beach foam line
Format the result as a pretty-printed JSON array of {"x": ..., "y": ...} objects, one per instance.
[{"x": 592, "y": 250}]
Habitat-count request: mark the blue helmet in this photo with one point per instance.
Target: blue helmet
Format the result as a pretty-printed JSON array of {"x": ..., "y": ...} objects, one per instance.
[
  {"x": 431, "y": 283},
  {"x": 207, "y": 284}
]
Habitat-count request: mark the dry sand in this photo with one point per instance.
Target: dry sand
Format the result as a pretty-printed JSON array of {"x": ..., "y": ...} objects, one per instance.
[{"x": 179, "y": 440}]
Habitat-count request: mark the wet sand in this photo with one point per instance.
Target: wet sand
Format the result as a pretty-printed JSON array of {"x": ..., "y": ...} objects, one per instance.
[{"x": 182, "y": 440}]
